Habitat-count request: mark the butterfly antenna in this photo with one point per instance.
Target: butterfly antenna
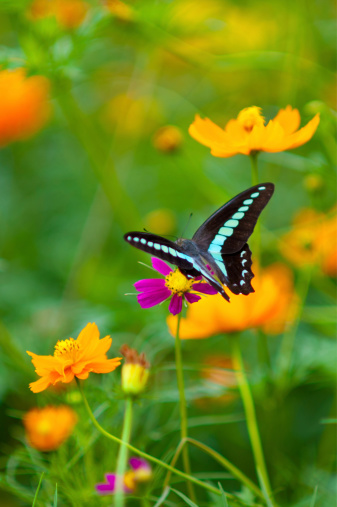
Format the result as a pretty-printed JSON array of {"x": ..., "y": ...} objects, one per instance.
[{"x": 187, "y": 224}]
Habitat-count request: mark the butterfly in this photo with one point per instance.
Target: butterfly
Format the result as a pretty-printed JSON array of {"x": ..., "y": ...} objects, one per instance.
[{"x": 218, "y": 250}]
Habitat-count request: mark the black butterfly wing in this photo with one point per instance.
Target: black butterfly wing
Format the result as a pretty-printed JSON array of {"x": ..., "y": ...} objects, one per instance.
[
  {"x": 168, "y": 251},
  {"x": 239, "y": 273},
  {"x": 228, "y": 229},
  {"x": 160, "y": 247}
]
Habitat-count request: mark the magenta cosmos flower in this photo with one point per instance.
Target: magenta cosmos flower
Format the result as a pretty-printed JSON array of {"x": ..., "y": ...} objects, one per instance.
[
  {"x": 140, "y": 472},
  {"x": 154, "y": 291}
]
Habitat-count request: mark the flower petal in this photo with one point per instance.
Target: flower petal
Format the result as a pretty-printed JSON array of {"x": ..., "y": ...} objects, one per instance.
[
  {"x": 289, "y": 119},
  {"x": 176, "y": 304},
  {"x": 192, "y": 298},
  {"x": 204, "y": 288},
  {"x": 150, "y": 284},
  {"x": 161, "y": 266},
  {"x": 149, "y": 299},
  {"x": 108, "y": 487}
]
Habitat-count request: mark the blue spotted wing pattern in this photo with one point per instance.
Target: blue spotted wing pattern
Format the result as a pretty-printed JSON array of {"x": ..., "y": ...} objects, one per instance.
[{"x": 220, "y": 243}]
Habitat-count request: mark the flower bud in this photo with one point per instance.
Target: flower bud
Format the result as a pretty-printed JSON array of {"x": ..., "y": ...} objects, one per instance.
[{"x": 135, "y": 371}]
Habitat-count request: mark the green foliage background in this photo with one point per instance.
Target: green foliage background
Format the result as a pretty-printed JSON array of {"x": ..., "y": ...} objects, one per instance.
[{"x": 68, "y": 195}]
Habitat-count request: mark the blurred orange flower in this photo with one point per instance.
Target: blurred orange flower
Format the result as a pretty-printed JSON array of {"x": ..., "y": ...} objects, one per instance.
[
  {"x": 74, "y": 358},
  {"x": 248, "y": 133},
  {"x": 68, "y": 13},
  {"x": 24, "y": 105},
  {"x": 220, "y": 370},
  {"x": 271, "y": 307},
  {"x": 312, "y": 241},
  {"x": 47, "y": 428},
  {"x": 167, "y": 139},
  {"x": 120, "y": 10}
]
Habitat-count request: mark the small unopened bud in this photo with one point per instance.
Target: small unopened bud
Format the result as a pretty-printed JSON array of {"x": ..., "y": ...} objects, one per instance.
[
  {"x": 167, "y": 139},
  {"x": 135, "y": 371}
]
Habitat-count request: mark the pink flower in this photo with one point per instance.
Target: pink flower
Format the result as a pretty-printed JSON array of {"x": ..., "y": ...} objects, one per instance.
[
  {"x": 140, "y": 472},
  {"x": 154, "y": 291}
]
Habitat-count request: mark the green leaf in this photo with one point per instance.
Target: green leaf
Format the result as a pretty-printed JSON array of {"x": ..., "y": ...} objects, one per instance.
[
  {"x": 163, "y": 497},
  {"x": 223, "y": 496},
  {"x": 55, "y": 496},
  {"x": 184, "y": 497},
  {"x": 37, "y": 489}
]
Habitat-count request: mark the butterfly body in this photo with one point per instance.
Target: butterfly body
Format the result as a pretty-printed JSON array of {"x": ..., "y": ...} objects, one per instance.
[{"x": 218, "y": 250}]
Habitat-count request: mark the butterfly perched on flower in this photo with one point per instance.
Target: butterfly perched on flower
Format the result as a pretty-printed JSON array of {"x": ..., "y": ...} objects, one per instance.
[{"x": 218, "y": 250}]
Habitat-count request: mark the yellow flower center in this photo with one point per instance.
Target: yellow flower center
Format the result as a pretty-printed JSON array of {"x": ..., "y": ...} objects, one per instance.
[
  {"x": 44, "y": 427},
  {"x": 66, "y": 348},
  {"x": 178, "y": 283},
  {"x": 250, "y": 117}
]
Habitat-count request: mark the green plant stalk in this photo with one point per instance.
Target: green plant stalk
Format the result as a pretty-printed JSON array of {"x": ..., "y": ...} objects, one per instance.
[
  {"x": 217, "y": 457},
  {"x": 182, "y": 406},
  {"x": 138, "y": 451},
  {"x": 123, "y": 454},
  {"x": 249, "y": 408},
  {"x": 100, "y": 160},
  {"x": 287, "y": 345}
]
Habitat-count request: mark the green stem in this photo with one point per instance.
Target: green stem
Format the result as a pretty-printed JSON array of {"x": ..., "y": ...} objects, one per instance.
[
  {"x": 249, "y": 408},
  {"x": 138, "y": 451},
  {"x": 123, "y": 454},
  {"x": 217, "y": 457},
  {"x": 182, "y": 406},
  {"x": 287, "y": 345},
  {"x": 255, "y": 170},
  {"x": 100, "y": 160}
]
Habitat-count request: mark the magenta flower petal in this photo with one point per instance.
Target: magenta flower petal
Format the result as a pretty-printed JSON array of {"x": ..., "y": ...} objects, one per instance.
[
  {"x": 161, "y": 266},
  {"x": 176, "y": 304},
  {"x": 150, "y": 284},
  {"x": 192, "y": 298},
  {"x": 137, "y": 463},
  {"x": 109, "y": 487},
  {"x": 204, "y": 288},
  {"x": 152, "y": 298}
]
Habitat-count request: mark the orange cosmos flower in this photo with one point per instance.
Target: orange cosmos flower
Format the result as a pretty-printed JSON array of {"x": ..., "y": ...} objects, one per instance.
[
  {"x": 312, "y": 241},
  {"x": 24, "y": 105},
  {"x": 74, "y": 358},
  {"x": 270, "y": 307},
  {"x": 249, "y": 134},
  {"x": 68, "y": 13},
  {"x": 47, "y": 428}
]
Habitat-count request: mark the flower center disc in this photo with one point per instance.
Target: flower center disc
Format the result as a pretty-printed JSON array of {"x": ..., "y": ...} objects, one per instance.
[
  {"x": 66, "y": 348},
  {"x": 251, "y": 117},
  {"x": 178, "y": 283}
]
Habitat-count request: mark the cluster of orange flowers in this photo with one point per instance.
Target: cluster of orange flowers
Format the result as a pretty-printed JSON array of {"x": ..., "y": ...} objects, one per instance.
[
  {"x": 271, "y": 307},
  {"x": 69, "y": 14},
  {"x": 312, "y": 241}
]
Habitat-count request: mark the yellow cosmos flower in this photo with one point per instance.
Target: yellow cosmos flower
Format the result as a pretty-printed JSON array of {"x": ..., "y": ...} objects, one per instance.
[
  {"x": 312, "y": 241},
  {"x": 74, "y": 358},
  {"x": 24, "y": 105},
  {"x": 47, "y": 428},
  {"x": 249, "y": 134},
  {"x": 271, "y": 307}
]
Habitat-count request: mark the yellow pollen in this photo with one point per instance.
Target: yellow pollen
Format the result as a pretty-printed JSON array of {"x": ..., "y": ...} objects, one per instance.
[
  {"x": 66, "y": 348},
  {"x": 177, "y": 283},
  {"x": 251, "y": 117}
]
